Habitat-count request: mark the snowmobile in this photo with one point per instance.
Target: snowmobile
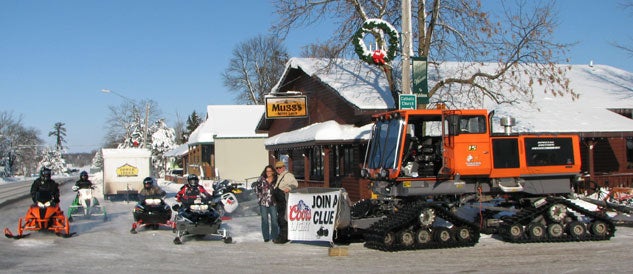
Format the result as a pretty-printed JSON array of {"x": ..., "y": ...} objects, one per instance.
[
  {"x": 224, "y": 199},
  {"x": 86, "y": 205},
  {"x": 198, "y": 219},
  {"x": 45, "y": 214},
  {"x": 152, "y": 212}
]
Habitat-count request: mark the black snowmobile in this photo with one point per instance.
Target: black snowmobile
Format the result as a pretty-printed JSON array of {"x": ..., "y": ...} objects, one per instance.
[
  {"x": 198, "y": 218},
  {"x": 152, "y": 212}
]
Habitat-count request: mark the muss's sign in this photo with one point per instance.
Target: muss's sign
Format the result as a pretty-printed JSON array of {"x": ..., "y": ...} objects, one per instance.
[{"x": 286, "y": 107}]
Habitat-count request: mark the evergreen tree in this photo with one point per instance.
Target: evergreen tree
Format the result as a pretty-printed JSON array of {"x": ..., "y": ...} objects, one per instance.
[
  {"x": 163, "y": 140},
  {"x": 59, "y": 131},
  {"x": 193, "y": 121},
  {"x": 52, "y": 158},
  {"x": 97, "y": 160}
]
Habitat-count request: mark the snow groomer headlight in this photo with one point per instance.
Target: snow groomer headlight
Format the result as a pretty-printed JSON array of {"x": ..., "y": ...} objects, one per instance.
[
  {"x": 384, "y": 173},
  {"x": 364, "y": 173}
]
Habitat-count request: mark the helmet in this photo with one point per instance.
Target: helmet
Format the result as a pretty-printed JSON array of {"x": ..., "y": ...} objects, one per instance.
[
  {"x": 192, "y": 179},
  {"x": 45, "y": 173},
  {"x": 148, "y": 182},
  {"x": 83, "y": 175}
]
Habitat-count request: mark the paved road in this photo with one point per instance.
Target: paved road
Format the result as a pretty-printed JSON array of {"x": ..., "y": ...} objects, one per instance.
[
  {"x": 108, "y": 247},
  {"x": 11, "y": 192}
]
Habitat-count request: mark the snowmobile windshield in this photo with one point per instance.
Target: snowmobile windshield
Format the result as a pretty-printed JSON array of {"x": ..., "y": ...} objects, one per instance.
[
  {"x": 43, "y": 196},
  {"x": 385, "y": 142}
]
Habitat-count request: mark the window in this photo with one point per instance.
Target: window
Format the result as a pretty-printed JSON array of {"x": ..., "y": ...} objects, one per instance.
[
  {"x": 506, "y": 153},
  {"x": 629, "y": 152},
  {"x": 316, "y": 163},
  {"x": 345, "y": 159},
  {"x": 298, "y": 168},
  {"x": 549, "y": 151},
  {"x": 384, "y": 144},
  {"x": 472, "y": 124}
]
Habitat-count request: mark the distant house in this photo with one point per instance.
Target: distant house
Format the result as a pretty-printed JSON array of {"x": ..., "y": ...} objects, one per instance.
[
  {"x": 176, "y": 158},
  {"x": 226, "y": 145},
  {"x": 327, "y": 147}
]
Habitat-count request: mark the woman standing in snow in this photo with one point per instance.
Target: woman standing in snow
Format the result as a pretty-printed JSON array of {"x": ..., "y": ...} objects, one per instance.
[{"x": 267, "y": 209}]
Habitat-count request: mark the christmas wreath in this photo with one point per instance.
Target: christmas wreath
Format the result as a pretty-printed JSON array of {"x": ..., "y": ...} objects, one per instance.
[{"x": 377, "y": 56}]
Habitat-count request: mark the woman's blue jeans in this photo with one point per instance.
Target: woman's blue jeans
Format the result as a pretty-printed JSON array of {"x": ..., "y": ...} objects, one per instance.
[{"x": 270, "y": 227}]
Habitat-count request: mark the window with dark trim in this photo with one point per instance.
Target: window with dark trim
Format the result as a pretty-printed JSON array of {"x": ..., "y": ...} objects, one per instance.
[
  {"x": 348, "y": 161},
  {"x": 472, "y": 124},
  {"x": 629, "y": 152},
  {"x": 316, "y": 163}
]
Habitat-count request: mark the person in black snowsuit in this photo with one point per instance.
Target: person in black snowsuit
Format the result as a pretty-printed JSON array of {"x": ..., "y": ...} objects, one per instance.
[
  {"x": 83, "y": 181},
  {"x": 44, "y": 185}
]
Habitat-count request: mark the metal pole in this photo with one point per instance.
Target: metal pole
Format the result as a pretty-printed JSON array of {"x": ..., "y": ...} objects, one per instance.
[
  {"x": 406, "y": 46},
  {"x": 146, "y": 125},
  {"x": 147, "y": 107}
]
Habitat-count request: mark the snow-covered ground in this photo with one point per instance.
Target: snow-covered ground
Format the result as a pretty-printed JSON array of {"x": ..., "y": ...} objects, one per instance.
[
  {"x": 17, "y": 179},
  {"x": 109, "y": 247}
]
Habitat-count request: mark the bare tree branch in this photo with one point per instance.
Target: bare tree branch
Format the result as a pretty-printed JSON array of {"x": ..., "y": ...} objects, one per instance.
[
  {"x": 256, "y": 66},
  {"x": 500, "y": 55}
]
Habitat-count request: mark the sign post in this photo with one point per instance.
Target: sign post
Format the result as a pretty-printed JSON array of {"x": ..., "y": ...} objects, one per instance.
[
  {"x": 408, "y": 101},
  {"x": 420, "y": 79}
]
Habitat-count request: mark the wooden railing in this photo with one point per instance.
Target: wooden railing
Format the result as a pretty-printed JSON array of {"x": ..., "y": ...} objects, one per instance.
[
  {"x": 615, "y": 180},
  {"x": 605, "y": 180}
]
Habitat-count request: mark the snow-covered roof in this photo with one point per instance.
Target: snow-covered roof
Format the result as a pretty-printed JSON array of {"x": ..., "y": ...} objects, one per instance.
[
  {"x": 359, "y": 83},
  {"x": 228, "y": 121},
  {"x": 125, "y": 152},
  {"x": 600, "y": 88},
  {"x": 325, "y": 131},
  {"x": 177, "y": 151}
]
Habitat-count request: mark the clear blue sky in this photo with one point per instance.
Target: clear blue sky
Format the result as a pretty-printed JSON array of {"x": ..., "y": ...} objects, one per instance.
[{"x": 56, "y": 56}]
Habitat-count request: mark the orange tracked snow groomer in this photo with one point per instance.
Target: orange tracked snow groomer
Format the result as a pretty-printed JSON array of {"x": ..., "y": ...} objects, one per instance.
[{"x": 440, "y": 177}]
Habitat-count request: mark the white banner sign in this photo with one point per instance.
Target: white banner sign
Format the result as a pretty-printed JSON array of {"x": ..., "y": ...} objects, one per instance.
[{"x": 311, "y": 216}]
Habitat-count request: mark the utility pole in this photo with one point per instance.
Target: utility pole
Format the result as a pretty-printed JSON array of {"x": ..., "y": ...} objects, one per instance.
[
  {"x": 146, "y": 125},
  {"x": 406, "y": 46},
  {"x": 147, "y": 107}
]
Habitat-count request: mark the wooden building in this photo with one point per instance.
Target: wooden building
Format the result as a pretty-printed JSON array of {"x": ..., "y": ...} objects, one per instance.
[
  {"x": 326, "y": 148},
  {"x": 225, "y": 145}
]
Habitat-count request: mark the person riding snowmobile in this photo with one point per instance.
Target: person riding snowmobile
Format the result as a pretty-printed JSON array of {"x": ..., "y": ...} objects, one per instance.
[
  {"x": 150, "y": 189},
  {"x": 191, "y": 191},
  {"x": 83, "y": 182},
  {"x": 147, "y": 212},
  {"x": 44, "y": 184}
]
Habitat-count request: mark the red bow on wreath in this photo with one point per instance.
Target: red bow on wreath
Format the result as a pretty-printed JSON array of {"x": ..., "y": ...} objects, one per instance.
[{"x": 379, "y": 57}]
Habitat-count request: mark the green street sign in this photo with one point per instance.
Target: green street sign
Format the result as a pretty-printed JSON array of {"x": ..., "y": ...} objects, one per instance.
[
  {"x": 420, "y": 79},
  {"x": 408, "y": 101}
]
